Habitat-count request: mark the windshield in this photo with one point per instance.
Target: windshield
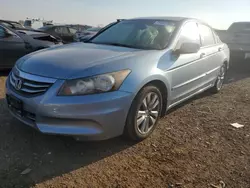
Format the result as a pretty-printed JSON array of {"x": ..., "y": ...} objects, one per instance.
[{"x": 142, "y": 34}]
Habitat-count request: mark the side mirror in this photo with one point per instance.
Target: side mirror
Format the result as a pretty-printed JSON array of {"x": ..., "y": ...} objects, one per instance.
[{"x": 188, "y": 48}]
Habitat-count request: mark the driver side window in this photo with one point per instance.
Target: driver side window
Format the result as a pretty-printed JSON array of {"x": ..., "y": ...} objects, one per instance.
[
  {"x": 2, "y": 32},
  {"x": 189, "y": 33}
]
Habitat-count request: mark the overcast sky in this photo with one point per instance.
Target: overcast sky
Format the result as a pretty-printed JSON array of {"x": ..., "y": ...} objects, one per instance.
[{"x": 218, "y": 13}]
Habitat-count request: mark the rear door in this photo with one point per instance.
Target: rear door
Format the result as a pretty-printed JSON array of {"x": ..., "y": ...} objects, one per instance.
[
  {"x": 187, "y": 70},
  {"x": 210, "y": 53},
  {"x": 12, "y": 47},
  {"x": 64, "y": 33}
]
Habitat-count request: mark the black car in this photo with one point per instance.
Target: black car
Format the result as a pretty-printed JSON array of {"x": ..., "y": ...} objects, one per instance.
[
  {"x": 17, "y": 43},
  {"x": 64, "y": 32},
  {"x": 12, "y": 24}
]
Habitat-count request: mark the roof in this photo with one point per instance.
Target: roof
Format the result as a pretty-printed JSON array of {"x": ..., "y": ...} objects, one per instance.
[
  {"x": 32, "y": 33},
  {"x": 12, "y": 24},
  {"x": 169, "y": 18},
  {"x": 56, "y": 25},
  {"x": 162, "y": 18},
  {"x": 9, "y": 21},
  {"x": 241, "y": 22}
]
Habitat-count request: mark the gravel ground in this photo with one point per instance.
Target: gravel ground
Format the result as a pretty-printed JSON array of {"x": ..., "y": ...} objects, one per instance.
[{"x": 193, "y": 146}]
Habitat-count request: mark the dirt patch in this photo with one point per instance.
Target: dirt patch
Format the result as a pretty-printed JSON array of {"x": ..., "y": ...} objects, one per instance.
[{"x": 193, "y": 146}]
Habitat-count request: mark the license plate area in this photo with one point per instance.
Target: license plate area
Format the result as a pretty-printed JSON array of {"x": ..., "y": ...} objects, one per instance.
[{"x": 15, "y": 104}]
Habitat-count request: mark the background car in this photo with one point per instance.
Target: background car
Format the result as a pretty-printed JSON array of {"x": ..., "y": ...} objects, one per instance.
[
  {"x": 79, "y": 28},
  {"x": 237, "y": 36},
  {"x": 64, "y": 32},
  {"x": 91, "y": 31},
  {"x": 85, "y": 38},
  {"x": 12, "y": 24},
  {"x": 33, "y": 23},
  {"x": 17, "y": 43}
]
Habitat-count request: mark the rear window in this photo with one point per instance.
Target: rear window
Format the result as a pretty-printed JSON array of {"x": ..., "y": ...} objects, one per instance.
[
  {"x": 240, "y": 27},
  {"x": 27, "y": 23}
]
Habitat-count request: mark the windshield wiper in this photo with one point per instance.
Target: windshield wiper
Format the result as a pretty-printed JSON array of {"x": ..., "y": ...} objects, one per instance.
[
  {"x": 116, "y": 44},
  {"x": 123, "y": 45}
]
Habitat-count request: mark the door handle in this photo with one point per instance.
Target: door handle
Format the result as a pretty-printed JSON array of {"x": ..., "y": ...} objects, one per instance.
[
  {"x": 219, "y": 49},
  {"x": 202, "y": 55}
]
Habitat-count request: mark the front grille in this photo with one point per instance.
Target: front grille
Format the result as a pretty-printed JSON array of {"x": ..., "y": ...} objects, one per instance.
[{"x": 30, "y": 84}]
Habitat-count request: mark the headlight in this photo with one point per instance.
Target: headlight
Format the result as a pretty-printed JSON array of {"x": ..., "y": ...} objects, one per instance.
[{"x": 96, "y": 84}]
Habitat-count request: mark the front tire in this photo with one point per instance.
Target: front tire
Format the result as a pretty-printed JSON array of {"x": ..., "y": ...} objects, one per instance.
[{"x": 144, "y": 113}]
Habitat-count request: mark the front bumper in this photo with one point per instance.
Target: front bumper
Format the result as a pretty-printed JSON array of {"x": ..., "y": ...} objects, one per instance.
[{"x": 92, "y": 117}]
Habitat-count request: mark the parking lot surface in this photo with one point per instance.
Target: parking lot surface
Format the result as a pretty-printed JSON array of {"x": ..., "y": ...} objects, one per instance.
[{"x": 193, "y": 146}]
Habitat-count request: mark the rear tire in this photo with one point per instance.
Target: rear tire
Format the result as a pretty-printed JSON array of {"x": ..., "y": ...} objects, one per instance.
[
  {"x": 220, "y": 79},
  {"x": 144, "y": 114}
]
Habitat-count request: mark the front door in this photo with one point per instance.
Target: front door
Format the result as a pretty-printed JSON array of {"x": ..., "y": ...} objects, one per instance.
[
  {"x": 211, "y": 53},
  {"x": 187, "y": 70},
  {"x": 64, "y": 34}
]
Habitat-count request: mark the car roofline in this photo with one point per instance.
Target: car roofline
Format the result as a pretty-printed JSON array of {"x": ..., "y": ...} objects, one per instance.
[{"x": 169, "y": 18}]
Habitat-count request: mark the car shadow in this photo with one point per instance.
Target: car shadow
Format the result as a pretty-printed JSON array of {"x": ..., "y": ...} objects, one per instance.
[
  {"x": 238, "y": 71},
  {"x": 4, "y": 72},
  {"x": 47, "y": 156}
]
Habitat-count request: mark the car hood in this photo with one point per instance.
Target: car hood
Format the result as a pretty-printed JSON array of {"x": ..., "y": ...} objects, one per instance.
[{"x": 64, "y": 61}]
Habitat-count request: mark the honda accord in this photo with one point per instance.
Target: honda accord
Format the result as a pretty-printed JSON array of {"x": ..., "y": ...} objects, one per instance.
[{"x": 120, "y": 82}]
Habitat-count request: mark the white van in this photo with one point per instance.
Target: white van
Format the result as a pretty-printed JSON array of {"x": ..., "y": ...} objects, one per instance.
[{"x": 35, "y": 23}]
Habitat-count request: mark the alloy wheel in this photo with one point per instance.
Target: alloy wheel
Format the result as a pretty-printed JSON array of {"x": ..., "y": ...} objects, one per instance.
[
  {"x": 221, "y": 77},
  {"x": 148, "y": 113}
]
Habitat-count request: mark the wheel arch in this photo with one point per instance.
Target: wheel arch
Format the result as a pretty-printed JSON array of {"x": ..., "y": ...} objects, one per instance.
[
  {"x": 164, "y": 91},
  {"x": 225, "y": 61},
  {"x": 161, "y": 85}
]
